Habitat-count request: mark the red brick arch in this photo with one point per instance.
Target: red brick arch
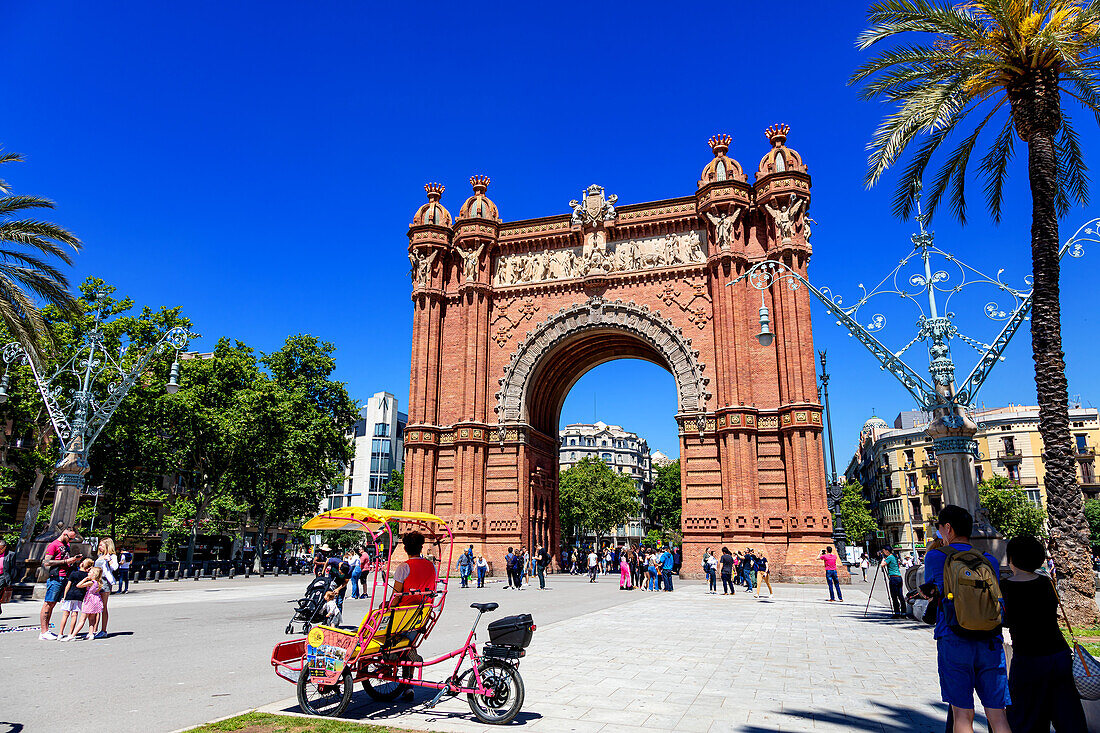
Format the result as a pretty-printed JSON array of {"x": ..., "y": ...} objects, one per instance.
[{"x": 509, "y": 315}]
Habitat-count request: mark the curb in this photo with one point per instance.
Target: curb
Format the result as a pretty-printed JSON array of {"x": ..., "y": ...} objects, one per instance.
[{"x": 215, "y": 720}]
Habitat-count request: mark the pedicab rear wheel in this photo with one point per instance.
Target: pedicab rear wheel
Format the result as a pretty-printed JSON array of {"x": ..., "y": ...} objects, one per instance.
[
  {"x": 381, "y": 690},
  {"x": 504, "y": 703},
  {"x": 329, "y": 700}
]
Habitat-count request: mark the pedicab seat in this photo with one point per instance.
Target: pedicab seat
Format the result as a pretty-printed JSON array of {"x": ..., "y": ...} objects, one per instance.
[{"x": 485, "y": 607}]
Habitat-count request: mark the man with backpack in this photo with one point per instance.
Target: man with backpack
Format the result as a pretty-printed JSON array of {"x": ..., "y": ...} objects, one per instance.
[
  {"x": 666, "y": 562},
  {"x": 970, "y": 651},
  {"x": 889, "y": 563},
  {"x": 465, "y": 566}
]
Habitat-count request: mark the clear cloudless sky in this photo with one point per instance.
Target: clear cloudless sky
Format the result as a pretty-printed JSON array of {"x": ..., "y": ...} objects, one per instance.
[{"x": 258, "y": 163}]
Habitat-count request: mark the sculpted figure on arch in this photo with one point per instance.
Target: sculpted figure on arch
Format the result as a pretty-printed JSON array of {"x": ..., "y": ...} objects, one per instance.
[
  {"x": 470, "y": 260},
  {"x": 785, "y": 218},
  {"x": 723, "y": 227}
]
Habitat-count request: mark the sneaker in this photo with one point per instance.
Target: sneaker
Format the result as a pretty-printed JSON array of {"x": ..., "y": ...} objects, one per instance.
[
  {"x": 68, "y": 637},
  {"x": 48, "y": 636},
  {"x": 100, "y": 635}
]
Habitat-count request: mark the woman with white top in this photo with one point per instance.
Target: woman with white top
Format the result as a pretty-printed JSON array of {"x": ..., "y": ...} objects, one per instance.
[{"x": 108, "y": 561}]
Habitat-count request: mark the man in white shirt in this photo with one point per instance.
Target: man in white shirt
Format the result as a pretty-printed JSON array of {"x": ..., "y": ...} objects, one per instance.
[{"x": 593, "y": 565}]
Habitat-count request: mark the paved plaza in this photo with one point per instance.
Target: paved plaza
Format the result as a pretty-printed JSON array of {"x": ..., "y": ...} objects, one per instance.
[{"x": 602, "y": 660}]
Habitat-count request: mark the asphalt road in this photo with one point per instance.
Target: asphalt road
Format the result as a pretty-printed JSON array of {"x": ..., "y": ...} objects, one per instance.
[{"x": 183, "y": 653}]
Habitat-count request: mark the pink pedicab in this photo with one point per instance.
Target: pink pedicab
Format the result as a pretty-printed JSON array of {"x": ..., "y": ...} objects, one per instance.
[{"x": 381, "y": 654}]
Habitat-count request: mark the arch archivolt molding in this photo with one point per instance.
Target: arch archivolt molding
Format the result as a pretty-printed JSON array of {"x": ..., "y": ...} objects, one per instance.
[{"x": 649, "y": 326}]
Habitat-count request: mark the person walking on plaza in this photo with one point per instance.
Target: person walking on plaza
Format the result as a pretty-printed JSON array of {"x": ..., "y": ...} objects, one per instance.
[
  {"x": 829, "y": 561},
  {"x": 667, "y": 561},
  {"x": 651, "y": 570},
  {"x": 7, "y": 570},
  {"x": 970, "y": 650},
  {"x": 763, "y": 575},
  {"x": 57, "y": 562},
  {"x": 864, "y": 563},
  {"x": 125, "y": 559},
  {"x": 482, "y": 568},
  {"x": 710, "y": 568},
  {"x": 107, "y": 561},
  {"x": 356, "y": 570},
  {"x": 749, "y": 564},
  {"x": 593, "y": 565},
  {"x": 542, "y": 562},
  {"x": 727, "y": 563},
  {"x": 889, "y": 563},
  {"x": 508, "y": 559},
  {"x": 1040, "y": 681},
  {"x": 624, "y": 572},
  {"x": 465, "y": 566}
]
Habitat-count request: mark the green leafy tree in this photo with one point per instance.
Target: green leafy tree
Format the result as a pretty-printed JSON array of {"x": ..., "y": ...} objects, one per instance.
[
  {"x": 394, "y": 491},
  {"x": 855, "y": 513},
  {"x": 664, "y": 497},
  {"x": 1008, "y": 62},
  {"x": 28, "y": 276},
  {"x": 594, "y": 497},
  {"x": 1092, "y": 516},
  {"x": 1009, "y": 510}
]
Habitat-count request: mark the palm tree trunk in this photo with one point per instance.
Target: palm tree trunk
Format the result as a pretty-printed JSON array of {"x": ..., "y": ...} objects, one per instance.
[{"x": 1065, "y": 506}]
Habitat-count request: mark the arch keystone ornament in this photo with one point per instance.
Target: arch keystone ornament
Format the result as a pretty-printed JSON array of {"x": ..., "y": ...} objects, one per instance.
[{"x": 507, "y": 316}]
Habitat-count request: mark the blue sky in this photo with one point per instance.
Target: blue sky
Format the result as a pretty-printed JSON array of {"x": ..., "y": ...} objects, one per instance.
[{"x": 259, "y": 163}]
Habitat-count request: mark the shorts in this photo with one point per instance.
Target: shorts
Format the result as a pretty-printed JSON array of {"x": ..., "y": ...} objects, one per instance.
[
  {"x": 70, "y": 606},
  {"x": 966, "y": 665},
  {"x": 54, "y": 586}
]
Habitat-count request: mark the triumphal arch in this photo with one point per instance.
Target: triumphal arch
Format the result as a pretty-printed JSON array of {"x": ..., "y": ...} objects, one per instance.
[{"x": 509, "y": 315}]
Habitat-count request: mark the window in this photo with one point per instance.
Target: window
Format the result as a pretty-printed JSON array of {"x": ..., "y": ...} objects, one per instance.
[
  {"x": 381, "y": 430},
  {"x": 1010, "y": 446},
  {"x": 1013, "y": 471},
  {"x": 335, "y": 502},
  {"x": 351, "y": 469},
  {"x": 606, "y": 457},
  {"x": 911, "y": 480},
  {"x": 978, "y": 472},
  {"x": 934, "y": 477},
  {"x": 573, "y": 456},
  {"x": 380, "y": 447},
  {"x": 603, "y": 443},
  {"x": 1087, "y": 475},
  {"x": 914, "y": 509},
  {"x": 573, "y": 441},
  {"x": 1082, "y": 442},
  {"x": 909, "y": 456},
  {"x": 380, "y": 464},
  {"x": 1034, "y": 497}
]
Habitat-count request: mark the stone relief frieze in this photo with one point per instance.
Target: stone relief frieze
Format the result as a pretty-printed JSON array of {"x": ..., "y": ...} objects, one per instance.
[{"x": 597, "y": 257}]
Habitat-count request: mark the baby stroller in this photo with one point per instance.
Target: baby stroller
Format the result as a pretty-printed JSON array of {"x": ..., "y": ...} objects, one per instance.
[{"x": 310, "y": 607}]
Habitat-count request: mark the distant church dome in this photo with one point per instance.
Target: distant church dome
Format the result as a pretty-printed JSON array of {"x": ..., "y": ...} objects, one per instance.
[
  {"x": 875, "y": 423},
  {"x": 723, "y": 167},
  {"x": 479, "y": 206},
  {"x": 433, "y": 212}
]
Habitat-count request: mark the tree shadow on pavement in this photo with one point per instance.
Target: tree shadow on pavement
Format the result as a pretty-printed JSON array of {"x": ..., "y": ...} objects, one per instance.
[
  {"x": 889, "y": 717},
  {"x": 6, "y": 727}
]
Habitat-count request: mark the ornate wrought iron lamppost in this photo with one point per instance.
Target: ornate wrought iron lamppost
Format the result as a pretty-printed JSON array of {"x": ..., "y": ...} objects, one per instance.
[
  {"x": 77, "y": 414},
  {"x": 952, "y": 431}
]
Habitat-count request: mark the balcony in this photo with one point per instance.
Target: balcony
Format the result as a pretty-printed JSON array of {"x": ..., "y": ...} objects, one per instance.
[
  {"x": 909, "y": 466},
  {"x": 1009, "y": 455},
  {"x": 931, "y": 464},
  {"x": 1085, "y": 451},
  {"x": 1027, "y": 482},
  {"x": 912, "y": 491},
  {"x": 1090, "y": 487}
]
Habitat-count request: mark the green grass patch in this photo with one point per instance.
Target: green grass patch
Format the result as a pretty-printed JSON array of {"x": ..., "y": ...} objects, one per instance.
[
  {"x": 268, "y": 723},
  {"x": 1086, "y": 637}
]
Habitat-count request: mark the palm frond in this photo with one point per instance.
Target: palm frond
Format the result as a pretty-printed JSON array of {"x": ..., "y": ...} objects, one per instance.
[
  {"x": 41, "y": 235},
  {"x": 994, "y": 167},
  {"x": 11, "y": 204},
  {"x": 889, "y": 18},
  {"x": 1072, "y": 172}
]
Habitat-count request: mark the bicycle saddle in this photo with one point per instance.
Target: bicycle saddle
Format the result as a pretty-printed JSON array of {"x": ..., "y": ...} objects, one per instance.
[{"x": 485, "y": 607}]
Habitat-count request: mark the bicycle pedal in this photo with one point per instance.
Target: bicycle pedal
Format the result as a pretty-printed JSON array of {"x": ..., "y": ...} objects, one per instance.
[{"x": 435, "y": 700}]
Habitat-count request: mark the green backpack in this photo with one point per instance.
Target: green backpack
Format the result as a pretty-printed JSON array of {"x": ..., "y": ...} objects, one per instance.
[{"x": 970, "y": 585}]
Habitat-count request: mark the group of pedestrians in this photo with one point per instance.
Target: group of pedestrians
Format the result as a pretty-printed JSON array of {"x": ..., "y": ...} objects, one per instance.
[
  {"x": 972, "y": 605},
  {"x": 83, "y": 587},
  {"x": 521, "y": 567},
  {"x": 748, "y": 568}
]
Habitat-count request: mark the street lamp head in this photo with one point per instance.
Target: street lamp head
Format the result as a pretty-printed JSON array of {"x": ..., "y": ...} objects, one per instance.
[
  {"x": 765, "y": 337},
  {"x": 4, "y": 388},
  {"x": 173, "y": 385}
]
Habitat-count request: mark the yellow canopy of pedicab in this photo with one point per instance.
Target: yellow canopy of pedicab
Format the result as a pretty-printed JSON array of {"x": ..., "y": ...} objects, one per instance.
[{"x": 350, "y": 517}]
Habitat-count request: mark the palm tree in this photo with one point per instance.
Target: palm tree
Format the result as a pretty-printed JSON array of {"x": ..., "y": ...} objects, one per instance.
[
  {"x": 1008, "y": 62},
  {"x": 26, "y": 275}
]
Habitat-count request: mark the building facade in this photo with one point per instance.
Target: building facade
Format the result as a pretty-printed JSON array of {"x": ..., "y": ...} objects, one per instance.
[
  {"x": 379, "y": 437},
  {"x": 508, "y": 315},
  {"x": 625, "y": 453},
  {"x": 898, "y": 470}
]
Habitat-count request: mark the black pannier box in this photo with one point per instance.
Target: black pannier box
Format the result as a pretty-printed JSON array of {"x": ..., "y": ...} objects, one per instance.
[{"x": 512, "y": 630}]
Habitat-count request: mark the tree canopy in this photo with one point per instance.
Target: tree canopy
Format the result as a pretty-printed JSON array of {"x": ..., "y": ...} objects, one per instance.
[
  {"x": 855, "y": 513},
  {"x": 1009, "y": 510},
  {"x": 592, "y": 496},
  {"x": 664, "y": 497}
]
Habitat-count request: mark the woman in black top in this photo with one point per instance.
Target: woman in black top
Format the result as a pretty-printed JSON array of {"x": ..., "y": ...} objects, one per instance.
[
  {"x": 1040, "y": 681},
  {"x": 726, "y": 564}
]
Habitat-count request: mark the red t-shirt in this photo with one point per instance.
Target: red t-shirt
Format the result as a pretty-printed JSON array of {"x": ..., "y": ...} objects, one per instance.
[
  {"x": 829, "y": 560},
  {"x": 58, "y": 550}
]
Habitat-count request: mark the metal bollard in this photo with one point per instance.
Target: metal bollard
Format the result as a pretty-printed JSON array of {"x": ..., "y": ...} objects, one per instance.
[
  {"x": 232, "y": 572},
  {"x": 156, "y": 577},
  {"x": 214, "y": 573},
  {"x": 198, "y": 574},
  {"x": 247, "y": 571}
]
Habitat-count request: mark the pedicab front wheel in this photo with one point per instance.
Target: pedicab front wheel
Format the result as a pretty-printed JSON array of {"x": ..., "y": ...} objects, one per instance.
[
  {"x": 329, "y": 700},
  {"x": 503, "y": 703}
]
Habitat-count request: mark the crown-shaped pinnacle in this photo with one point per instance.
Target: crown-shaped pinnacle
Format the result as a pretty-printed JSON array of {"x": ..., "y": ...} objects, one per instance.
[
  {"x": 719, "y": 144},
  {"x": 434, "y": 190},
  {"x": 777, "y": 134},
  {"x": 480, "y": 183}
]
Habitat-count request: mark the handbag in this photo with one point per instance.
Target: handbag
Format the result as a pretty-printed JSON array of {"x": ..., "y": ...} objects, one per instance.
[{"x": 1086, "y": 669}]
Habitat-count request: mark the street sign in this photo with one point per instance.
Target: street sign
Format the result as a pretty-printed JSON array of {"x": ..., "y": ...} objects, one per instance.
[{"x": 879, "y": 533}]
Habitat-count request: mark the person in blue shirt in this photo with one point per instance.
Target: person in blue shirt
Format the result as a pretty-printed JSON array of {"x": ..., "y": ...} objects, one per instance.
[
  {"x": 666, "y": 561},
  {"x": 971, "y": 663}
]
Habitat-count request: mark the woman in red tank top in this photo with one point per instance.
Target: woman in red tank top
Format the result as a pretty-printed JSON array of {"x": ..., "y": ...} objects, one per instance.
[{"x": 414, "y": 580}]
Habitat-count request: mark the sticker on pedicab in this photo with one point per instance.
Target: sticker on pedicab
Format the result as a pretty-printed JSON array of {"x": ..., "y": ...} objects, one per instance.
[{"x": 327, "y": 651}]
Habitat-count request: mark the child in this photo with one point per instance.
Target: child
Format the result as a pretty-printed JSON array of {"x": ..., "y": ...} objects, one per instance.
[
  {"x": 73, "y": 597},
  {"x": 333, "y": 615},
  {"x": 92, "y": 605}
]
